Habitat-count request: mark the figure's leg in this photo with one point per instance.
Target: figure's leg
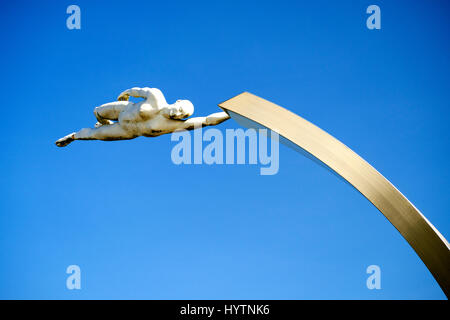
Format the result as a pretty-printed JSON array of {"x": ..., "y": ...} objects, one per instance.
[
  {"x": 110, "y": 111},
  {"x": 106, "y": 133}
]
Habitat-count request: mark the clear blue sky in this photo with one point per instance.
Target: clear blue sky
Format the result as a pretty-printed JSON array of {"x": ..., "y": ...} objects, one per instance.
[{"x": 114, "y": 208}]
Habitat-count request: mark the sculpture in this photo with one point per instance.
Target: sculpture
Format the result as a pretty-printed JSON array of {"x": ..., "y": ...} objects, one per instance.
[{"x": 151, "y": 117}]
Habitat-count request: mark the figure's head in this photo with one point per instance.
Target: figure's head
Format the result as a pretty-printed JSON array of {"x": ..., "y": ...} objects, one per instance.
[{"x": 182, "y": 109}]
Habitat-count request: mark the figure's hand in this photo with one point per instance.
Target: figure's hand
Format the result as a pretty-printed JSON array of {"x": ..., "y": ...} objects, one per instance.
[
  {"x": 216, "y": 118},
  {"x": 124, "y": 96}
]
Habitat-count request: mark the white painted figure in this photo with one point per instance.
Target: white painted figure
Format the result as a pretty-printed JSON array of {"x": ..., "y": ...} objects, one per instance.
[{"x": 152, "y": 117}]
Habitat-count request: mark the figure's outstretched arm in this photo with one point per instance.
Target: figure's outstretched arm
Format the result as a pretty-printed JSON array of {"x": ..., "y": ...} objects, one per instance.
[{"x": 211, "y": 120}]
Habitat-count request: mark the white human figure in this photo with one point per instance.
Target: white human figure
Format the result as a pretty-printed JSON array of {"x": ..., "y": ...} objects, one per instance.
[{"x": 151, "y": 117}]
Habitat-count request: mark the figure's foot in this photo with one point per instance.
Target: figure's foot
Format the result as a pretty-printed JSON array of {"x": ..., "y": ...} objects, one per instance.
[
  {"x": 108, "y": 122},
  {"x": 64, "y": 141},
  {"x": 124, "y": 96}
]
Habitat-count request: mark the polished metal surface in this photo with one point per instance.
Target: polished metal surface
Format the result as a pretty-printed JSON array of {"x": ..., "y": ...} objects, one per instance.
[{"x": 424, "y": 238}]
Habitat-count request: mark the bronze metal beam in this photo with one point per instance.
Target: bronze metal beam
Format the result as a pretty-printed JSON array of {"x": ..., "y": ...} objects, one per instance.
[{"x": 424, "y": 238}]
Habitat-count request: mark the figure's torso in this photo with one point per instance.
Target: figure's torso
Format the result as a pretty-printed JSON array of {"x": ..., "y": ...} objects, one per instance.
[{"x": 145, "y": 119}]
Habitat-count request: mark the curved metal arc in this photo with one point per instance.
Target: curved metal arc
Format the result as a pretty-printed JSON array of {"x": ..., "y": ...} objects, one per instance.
[{"x": 424, "y": 238}]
